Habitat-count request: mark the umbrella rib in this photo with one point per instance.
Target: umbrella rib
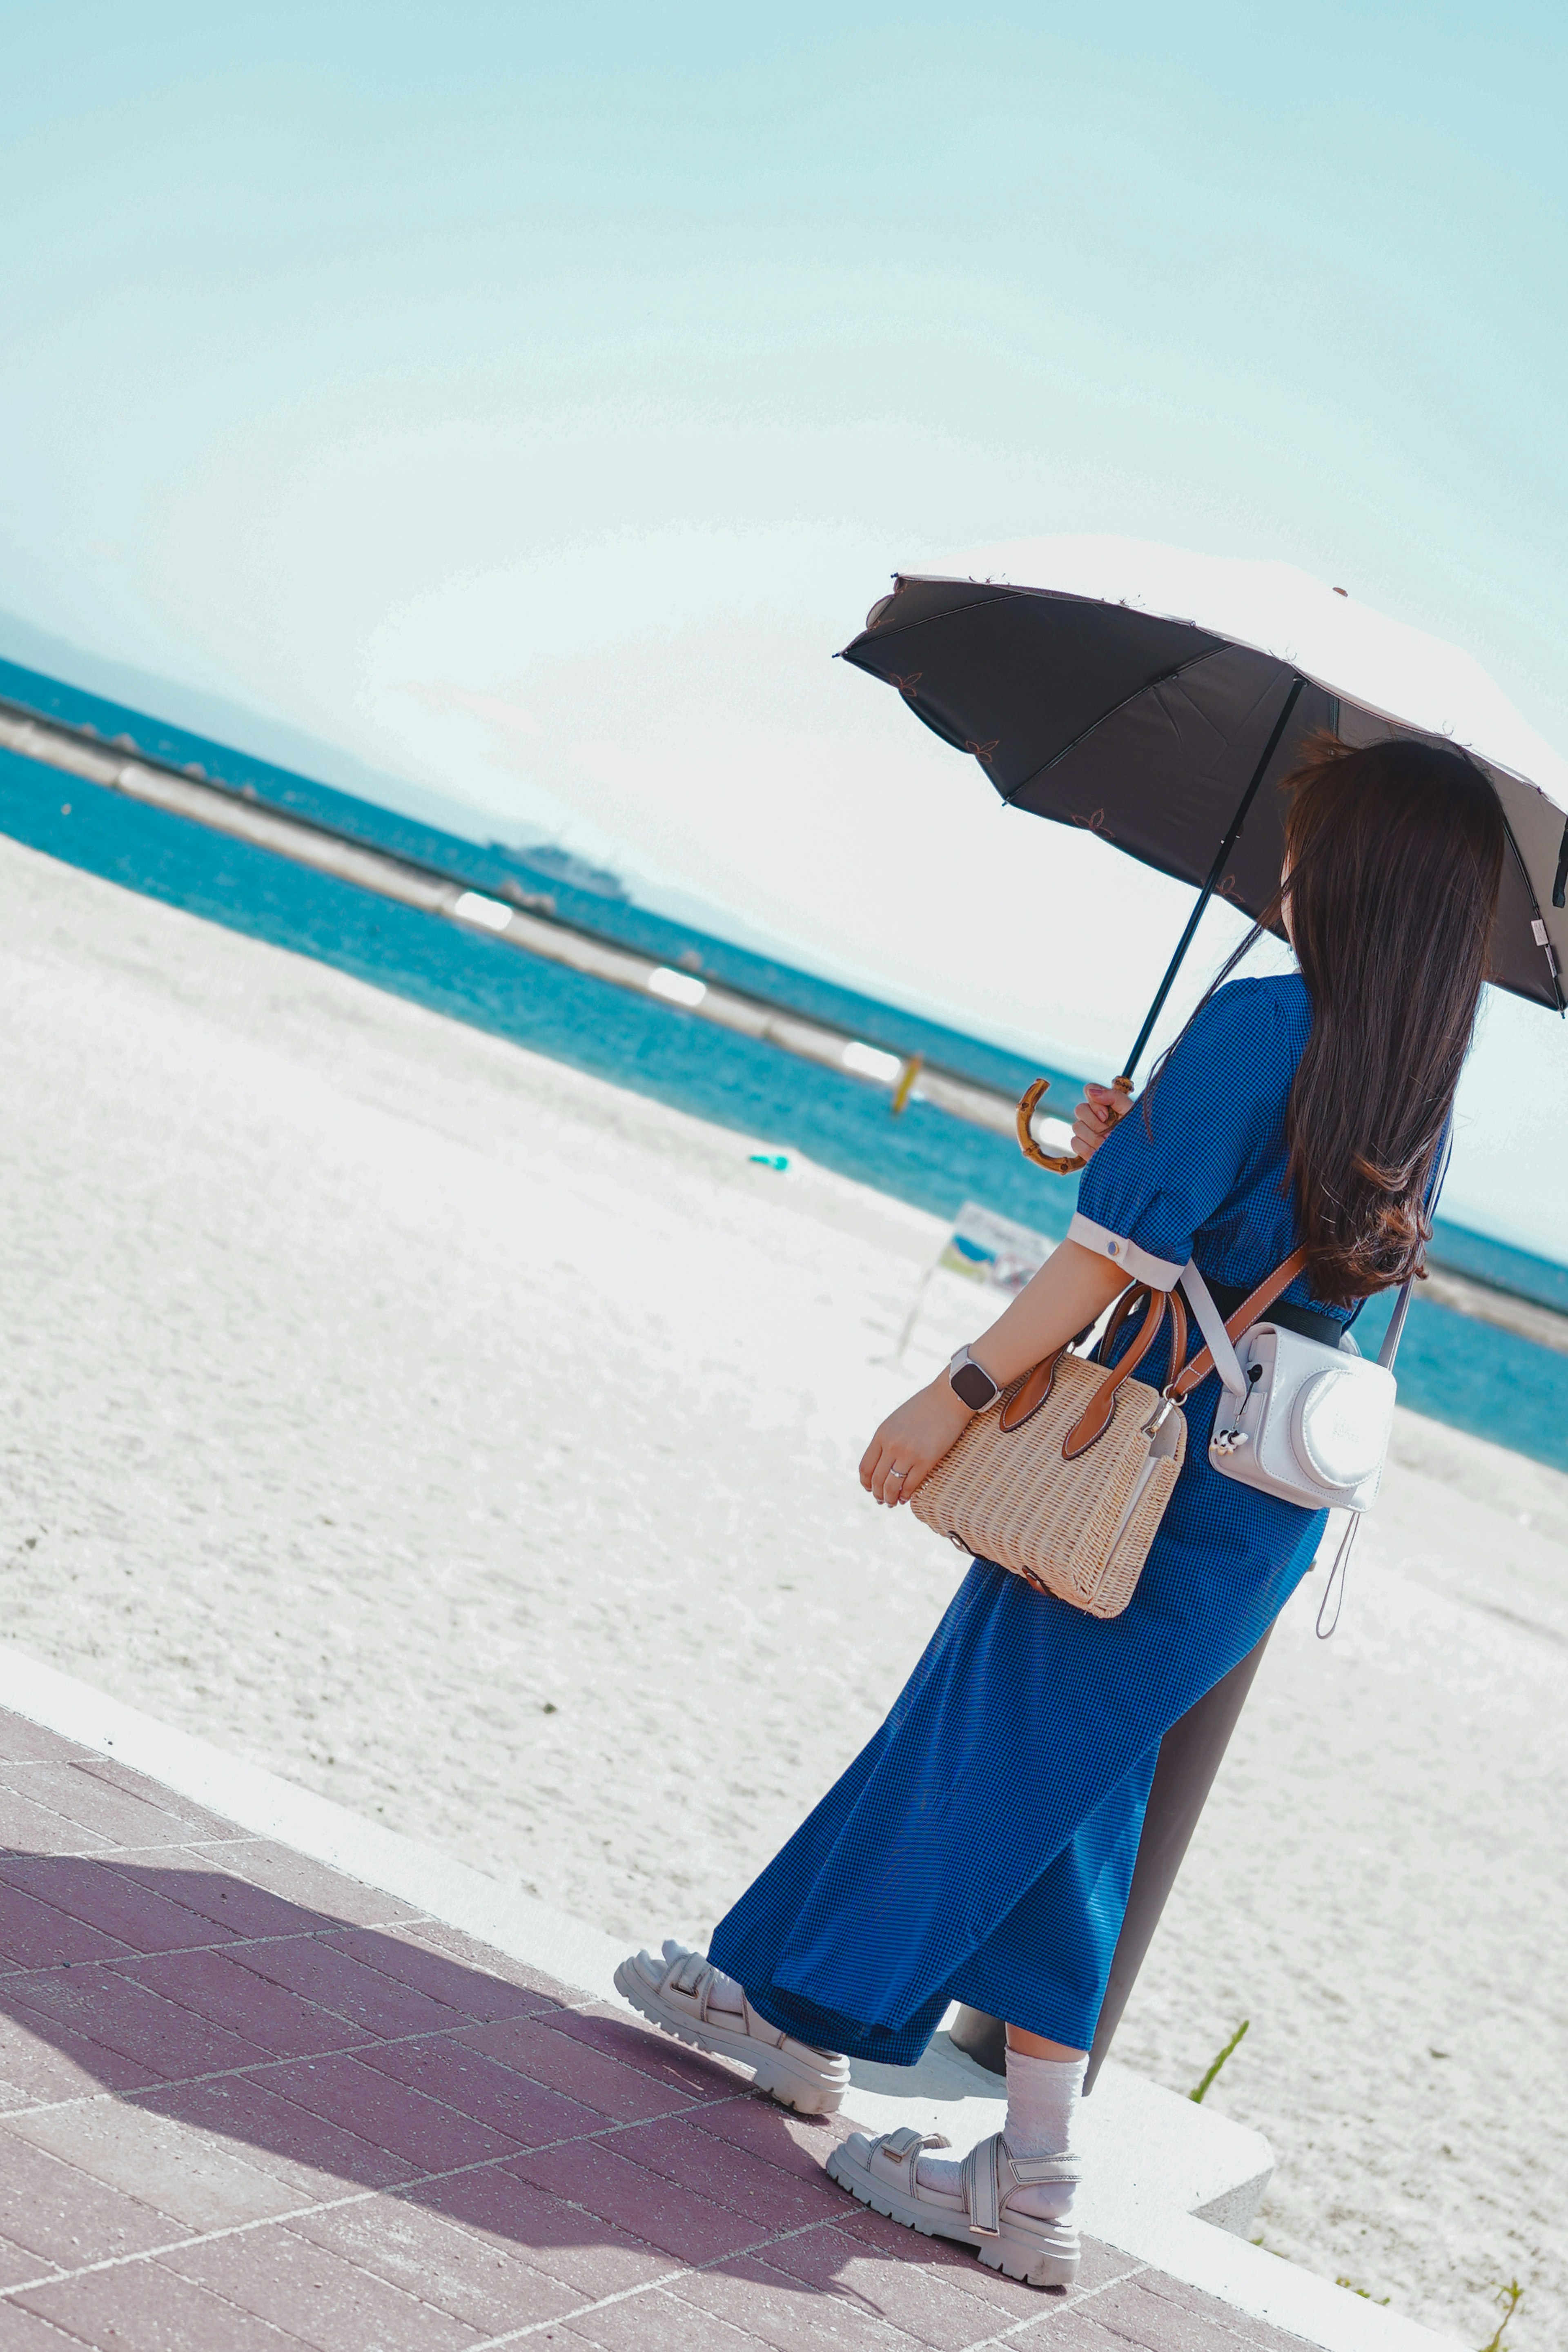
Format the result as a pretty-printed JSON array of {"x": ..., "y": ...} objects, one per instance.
[{"x": 1161, "y": 678}]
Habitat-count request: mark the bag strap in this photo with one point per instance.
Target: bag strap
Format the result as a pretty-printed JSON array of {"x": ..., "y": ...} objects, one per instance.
[
  {"x": 1211, "y": 1323},
  {"x": 1095, "y": 1418},
  {"x": 1247, "y": 1313}
]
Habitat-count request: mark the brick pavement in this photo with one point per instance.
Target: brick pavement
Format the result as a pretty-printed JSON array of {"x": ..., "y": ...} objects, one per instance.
[{"x": 248, "y": 2103}]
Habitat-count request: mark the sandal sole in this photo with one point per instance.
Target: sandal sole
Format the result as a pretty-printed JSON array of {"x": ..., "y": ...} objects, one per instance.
[
  {"x": 1031, "y": 2266},
  {"x": 779, "y": 2076}
]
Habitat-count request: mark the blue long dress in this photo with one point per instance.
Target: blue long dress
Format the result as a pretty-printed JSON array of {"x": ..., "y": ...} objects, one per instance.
[{"x": 980, "y": 1847}]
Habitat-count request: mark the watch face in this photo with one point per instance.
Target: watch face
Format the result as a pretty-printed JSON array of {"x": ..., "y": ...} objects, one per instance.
[{"x": 972, "y": 1387}]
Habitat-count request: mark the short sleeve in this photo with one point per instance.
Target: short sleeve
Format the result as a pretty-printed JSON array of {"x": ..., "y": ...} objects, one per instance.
[{"x": 1213, "y": 1115}]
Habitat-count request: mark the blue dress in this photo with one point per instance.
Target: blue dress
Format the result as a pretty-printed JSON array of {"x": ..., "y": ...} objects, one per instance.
[{"x": 980, "y": 1847}]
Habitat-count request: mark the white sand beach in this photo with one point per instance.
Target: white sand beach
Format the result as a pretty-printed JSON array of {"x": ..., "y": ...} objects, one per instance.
[{"x": 474, "y": 1442}]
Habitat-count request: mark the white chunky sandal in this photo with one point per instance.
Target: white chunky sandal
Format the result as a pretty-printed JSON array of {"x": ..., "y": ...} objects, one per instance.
[
  {"x": 676, "y": 1994},
  {"x": 883, "y": 2174}
]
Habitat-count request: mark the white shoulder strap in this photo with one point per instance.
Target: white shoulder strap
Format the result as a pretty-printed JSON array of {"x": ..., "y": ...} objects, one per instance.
[
  {"x": 1211, "y": 1323},
  {"x": 1396, "y": 1331}
]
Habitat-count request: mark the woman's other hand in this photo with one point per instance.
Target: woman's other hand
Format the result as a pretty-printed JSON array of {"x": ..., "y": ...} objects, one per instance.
[
  {"x": 1096, "y": 1116},
  {"x": 913, "y": 1441}
]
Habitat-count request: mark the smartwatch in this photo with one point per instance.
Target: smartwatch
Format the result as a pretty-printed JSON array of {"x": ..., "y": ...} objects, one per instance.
[{"x": 970, "y": 1383}]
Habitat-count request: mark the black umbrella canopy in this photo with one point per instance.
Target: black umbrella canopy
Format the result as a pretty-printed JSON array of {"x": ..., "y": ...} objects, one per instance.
[{"x": 1152, "y": 732}]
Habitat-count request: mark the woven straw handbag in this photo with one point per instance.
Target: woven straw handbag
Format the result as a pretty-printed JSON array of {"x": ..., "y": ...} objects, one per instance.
[{"x": 1066, "y": 1479}]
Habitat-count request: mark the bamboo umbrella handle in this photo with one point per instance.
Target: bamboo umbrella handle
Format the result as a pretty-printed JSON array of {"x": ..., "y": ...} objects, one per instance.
[{"x": 1029, "y": 1104}]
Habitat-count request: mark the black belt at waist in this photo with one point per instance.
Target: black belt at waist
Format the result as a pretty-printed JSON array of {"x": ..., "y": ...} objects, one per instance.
[{"x": 1227, "y": 1299}]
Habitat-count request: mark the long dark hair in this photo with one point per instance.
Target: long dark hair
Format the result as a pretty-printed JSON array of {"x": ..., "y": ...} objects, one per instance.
[{"x": 1394, "y": 855}]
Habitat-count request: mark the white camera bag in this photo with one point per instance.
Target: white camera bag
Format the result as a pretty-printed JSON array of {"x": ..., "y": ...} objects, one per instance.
[
  {"x": 1296, "y": 1417},
  {"x": 1299, "y": 1419}
]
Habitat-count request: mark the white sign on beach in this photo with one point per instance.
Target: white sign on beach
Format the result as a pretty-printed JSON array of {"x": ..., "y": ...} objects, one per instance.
[
  {"x": 982, "y": 1247},
  {"x": 994, "y": 1250}
]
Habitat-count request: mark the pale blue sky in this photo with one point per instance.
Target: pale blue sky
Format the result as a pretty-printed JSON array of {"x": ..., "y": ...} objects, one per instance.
[{"x": 528, "y": 401}]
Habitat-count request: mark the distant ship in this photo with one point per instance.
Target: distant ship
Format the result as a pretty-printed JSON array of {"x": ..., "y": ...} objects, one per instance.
[{"x": 547, "y": 857}]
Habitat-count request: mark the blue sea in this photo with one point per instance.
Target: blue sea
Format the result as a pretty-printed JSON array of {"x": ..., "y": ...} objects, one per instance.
[{"x": 1451, "y": 1367}]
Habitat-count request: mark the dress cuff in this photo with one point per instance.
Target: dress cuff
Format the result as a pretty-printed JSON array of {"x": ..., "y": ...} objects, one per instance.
[{"x": 1160, "y": 1272}]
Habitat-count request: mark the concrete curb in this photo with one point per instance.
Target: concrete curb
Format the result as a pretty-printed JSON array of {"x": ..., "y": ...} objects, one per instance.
[{"x": 1134, "y": 2207}]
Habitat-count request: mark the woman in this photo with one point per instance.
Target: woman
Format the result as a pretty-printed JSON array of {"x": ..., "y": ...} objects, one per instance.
[{"x": 981, "y": 1847}]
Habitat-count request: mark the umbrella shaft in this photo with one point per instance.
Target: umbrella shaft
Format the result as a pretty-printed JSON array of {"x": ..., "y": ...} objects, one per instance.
[{"x": 1215, "y": 873}]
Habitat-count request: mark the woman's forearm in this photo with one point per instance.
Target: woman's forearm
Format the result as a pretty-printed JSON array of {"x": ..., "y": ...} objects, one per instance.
[{"x": 1071, "y": 1290}]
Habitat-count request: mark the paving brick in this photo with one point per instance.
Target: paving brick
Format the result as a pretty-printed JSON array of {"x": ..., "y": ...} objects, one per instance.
[
  {"x": 41, "y": 2061},
  {"x": 212, "y": 1892},
  {"x": 478, "y": 1997},
  {"x": 473, "y": 2278},
  {"x": 1099, "y": 2264},
  {"x": 184, "y": 2173},
  {"x": 443, "y": 2069},
  {"x": 316, "y": 2156},
  {"x": 541, "y": 2054},
  {"x": 585, "y": 2253},
  {"x": 21, "y": 1741},
  {"x": 313, "y": 1884},
  {"x": 766, "y": 2197},
  {"x": 34, "y": 1935},
  {"x": 20, "y": 2331},
  {"x": 618, "y": 2035},
  {"x": 38, "y": 1830},
  {"x": 19, "y": 2263},
  {"x": 589, "y": 2174},
  {"x": 319, "y": 1971},
  {"x": 67, "y": 2216},
  {"x": 439, "y": 1937},
  {"x": 75, "y": 1791},
  {"x": 201, "y": 1822},
  {"x": 112, "y": 1898},
  {"x": 1067, "y": 2330},
  {"x": 314, "y": 2294},
  {"x": 1155, "y": 2325},
  {"x": 656, "y": 2322},
  {"x": 144, "y": 2307},
  {"x": 784, "y": 2313},
  {"x": 267, "y": 2015},
  {"x": 956, "y": 2263},
  {"x": 908, "y": 2294},
  {"x": 389, "y": 2113},
  {"x": 800, "y": 2145},
  {"x": 126, "y": 2017},
  {"x": 1254, "y": 2333}
]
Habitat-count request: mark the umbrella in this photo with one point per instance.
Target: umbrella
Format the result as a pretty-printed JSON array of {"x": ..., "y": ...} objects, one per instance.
[{"x": 1154, "y": 697}]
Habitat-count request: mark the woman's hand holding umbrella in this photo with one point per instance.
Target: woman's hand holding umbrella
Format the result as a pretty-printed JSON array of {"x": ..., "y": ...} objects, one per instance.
[{"x": 1096, "y": 1116}]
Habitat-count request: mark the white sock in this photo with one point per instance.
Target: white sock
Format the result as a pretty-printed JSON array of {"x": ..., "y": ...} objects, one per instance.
[{"x": 1043, "y": 2096}]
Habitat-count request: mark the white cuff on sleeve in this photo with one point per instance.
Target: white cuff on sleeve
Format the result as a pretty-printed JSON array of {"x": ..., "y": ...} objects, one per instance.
[{"x": 1161, "y": 1272}]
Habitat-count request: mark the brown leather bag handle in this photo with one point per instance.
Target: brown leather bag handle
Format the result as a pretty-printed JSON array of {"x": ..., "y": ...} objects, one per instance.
[
  {"x": 1095, "y": 1418},
  {"x": 1247, "y": 1313},
  {"x": 1021, "y": 1402}
]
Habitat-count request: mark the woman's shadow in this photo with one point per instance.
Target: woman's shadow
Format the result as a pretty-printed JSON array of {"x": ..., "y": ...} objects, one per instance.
[{"x": 387, "y": 2090}]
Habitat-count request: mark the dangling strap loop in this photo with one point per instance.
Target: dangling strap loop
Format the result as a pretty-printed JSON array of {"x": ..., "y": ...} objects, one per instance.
[{"x": 1339, "y": 1574}]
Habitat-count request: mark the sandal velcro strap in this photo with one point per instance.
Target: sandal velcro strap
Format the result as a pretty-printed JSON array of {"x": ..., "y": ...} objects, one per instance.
[
  {"x": 983, "y": 2191},
  {"x": 1029, "y": 2171},
  {"x": 903, "y": 2148}
]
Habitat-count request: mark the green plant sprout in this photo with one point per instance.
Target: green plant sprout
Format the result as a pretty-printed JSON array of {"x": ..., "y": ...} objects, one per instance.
[
  {"x": 1507, "y": 2298},
  {"x": 1365, "y": 2293},
  {"x": 1204, "y": 2087}
]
